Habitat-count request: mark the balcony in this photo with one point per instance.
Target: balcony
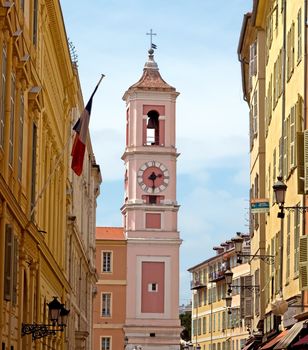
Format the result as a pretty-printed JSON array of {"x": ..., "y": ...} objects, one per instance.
[
  {"x": 216, "y": 276},
  {"x": 197, "y": 284}
]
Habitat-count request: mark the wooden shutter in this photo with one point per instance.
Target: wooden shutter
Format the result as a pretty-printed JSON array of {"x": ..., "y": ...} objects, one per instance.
[
  {"x": 248, "y": 298},
  {"x": 285, "y": 147},
  {"x": 303, "y": 263},
  {"x": 306, "y": 160},
  {"x": 277, "y": 263},
  {"x": 8, "y": 266},
  {"x": 251, "y": 64},
  {"x": 15, "y": 270},
  {"x": 292, "y": 134},
  {"x": 300, "y": 162},
  {"x": 242, "y": 299},
  {"x": 257, "y": 292}
]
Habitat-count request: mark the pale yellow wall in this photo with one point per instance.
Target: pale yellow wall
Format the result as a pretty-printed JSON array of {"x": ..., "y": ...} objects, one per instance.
[
  {"x": 213, "y": 312},
  {"x": 266, "y": 17}
]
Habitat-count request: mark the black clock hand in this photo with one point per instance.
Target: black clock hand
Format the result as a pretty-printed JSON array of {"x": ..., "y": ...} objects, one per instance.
[{"x": 153, "y": 177}]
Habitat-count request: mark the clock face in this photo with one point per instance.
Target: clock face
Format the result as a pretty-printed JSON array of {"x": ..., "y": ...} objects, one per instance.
[{"x": 153, "y": 177}]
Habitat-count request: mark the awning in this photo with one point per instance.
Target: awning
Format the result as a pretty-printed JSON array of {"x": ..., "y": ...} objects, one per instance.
[
  {"x": 302, "y": 341},
  {"x": 274, "y": 341},
  {"x": 249, "y": 346},
  {"x": 290, "y": 336}
]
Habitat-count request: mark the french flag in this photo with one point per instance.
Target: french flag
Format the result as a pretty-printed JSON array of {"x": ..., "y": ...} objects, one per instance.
[{"x": 81, "y": 128}]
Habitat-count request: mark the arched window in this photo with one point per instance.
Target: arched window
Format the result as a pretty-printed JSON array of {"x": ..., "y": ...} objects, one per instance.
[{"x": 152, "y": 131}]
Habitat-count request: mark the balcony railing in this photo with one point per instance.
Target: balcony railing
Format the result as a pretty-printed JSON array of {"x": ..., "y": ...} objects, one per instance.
[
  {"x": 217, "y": 275},
  {"x": 197, "y": 284}
]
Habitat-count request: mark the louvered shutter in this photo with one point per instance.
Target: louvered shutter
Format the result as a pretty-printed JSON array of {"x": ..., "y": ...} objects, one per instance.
[
  {"x": 15, "y": 271},
  {"x": 251, "y": 64},
  {"x": 292, "y": 129},
  {"x": 223, "y": 320},
  {"x": 277, "y": 263},
  {"x": 242, "y": 299},
  {"x": 8, "y": 267},
  {"x": 306, "y": 160},
  {"x": 285, "y": 147},
  {"x": 248, "y": 298},
  {"x": 300, "y": 162},
  {"x": 303, "y": 262},
  {"x": 257, "y": 292}
]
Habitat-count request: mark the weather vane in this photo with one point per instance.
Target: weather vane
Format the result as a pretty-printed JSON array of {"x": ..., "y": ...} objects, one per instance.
[{"x": 153, "y": 46}]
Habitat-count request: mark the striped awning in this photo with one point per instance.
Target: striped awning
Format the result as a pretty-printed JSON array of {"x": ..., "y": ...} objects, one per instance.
[
  {"x": 249, "y": 346},
  {"x": 274, "y": 341},
  {"x": 302, "y": 342},
  {"x": 290, "y": 336}
]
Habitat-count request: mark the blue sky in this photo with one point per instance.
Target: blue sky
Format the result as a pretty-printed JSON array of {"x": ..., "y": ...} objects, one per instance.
[{"x": 197, "y": 53}]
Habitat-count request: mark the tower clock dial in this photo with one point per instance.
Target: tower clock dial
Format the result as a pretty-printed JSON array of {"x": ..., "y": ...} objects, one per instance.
[{"x": 153, "y": 177}]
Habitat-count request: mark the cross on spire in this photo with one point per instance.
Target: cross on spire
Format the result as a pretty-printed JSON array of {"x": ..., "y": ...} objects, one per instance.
[{"x": 153, "y": 46}]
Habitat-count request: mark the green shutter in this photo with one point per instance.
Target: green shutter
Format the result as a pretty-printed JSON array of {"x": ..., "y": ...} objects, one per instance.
[{"x": 303, "y": 263}]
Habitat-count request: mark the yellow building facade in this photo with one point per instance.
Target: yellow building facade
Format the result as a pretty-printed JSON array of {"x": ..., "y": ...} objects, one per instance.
[
  {"x": 214, "y": 325},
  {"x": 47, "y": 215},
  {"x": 274, "y": 67}
]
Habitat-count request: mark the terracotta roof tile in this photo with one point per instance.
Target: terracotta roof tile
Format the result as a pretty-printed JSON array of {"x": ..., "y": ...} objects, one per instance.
[
  {"x": 152, "y": 80},
  {"x": 111, "y": 233}
]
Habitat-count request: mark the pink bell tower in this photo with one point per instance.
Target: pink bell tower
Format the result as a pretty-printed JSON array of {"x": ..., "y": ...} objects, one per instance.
[{"x": 150, "y": 214}]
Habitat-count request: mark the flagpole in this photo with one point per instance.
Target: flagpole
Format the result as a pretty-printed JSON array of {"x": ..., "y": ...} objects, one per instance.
[
  {"x": 59, "y": 159},
  {"x": 49, "y": 177},
  {"x": 97, "y": 85}
]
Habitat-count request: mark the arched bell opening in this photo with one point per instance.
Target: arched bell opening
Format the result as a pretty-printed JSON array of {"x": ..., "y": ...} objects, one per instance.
[{"x": 152, "y": 128}]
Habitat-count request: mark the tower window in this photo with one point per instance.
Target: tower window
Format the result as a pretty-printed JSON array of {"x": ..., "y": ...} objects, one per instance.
[
  {"x": 152, "y": 199},
  {"x": 152, "y": 287},
  {"x": 152, "y": 131}
]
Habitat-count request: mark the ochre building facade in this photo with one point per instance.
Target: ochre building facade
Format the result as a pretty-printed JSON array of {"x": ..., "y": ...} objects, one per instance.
[
  {"x": 272, "y": 51},
  {"x": 47, "y": 214}
]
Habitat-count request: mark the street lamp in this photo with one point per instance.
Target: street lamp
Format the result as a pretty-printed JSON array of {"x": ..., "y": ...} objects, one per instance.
[
  {"x": 280, "y": 189},
  {"x": 57, "y": 315},
  {"x": 228, "y": 300},
  {"x": 125, "y": 342},
  {"x": 228, "y": 278},
  {"x": 238, "y": 247}
]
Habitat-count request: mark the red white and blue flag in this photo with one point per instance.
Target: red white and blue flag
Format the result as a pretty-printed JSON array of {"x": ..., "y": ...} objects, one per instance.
[{"x": 81, "y": 128}]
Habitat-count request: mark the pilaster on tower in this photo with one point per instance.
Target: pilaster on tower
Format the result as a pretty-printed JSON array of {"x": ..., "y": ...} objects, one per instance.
[{"x": 150, "y": 212}]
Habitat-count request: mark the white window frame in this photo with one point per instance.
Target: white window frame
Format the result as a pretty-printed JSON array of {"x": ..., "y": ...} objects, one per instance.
[
  {"x": 153, "y": 287},
  {"x": 107, "y": 345},
  {"x": 106, "y": 304},
  {"x": 107, "y": 267}
]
